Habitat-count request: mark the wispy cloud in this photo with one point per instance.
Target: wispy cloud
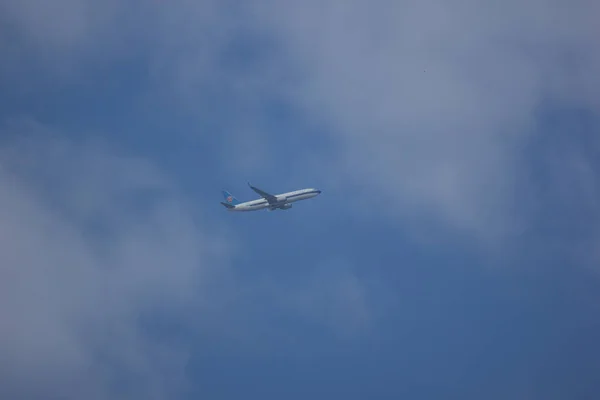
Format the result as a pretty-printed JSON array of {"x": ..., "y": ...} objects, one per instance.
[
  {"x": 431, "y": 114},
  {"x": 102, "y": 256},
  {"x": 92, "y": 244},
  {"x": 434, "y": 101},
  {"x": 429, "y": 104}
]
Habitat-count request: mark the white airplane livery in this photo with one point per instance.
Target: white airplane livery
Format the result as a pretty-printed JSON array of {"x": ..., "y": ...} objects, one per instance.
[{"x": 269, "y": 201}]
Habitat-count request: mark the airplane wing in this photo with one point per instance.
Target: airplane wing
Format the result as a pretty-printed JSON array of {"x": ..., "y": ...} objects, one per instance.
[{"x": 269, "y": 197}]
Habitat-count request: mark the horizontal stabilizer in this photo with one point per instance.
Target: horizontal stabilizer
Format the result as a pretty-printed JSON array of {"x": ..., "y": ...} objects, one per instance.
[{"x": 227, "y": 205}]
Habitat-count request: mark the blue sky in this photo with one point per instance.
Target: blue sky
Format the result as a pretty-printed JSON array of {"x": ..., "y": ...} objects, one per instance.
[{"x": 452, "y": 254}]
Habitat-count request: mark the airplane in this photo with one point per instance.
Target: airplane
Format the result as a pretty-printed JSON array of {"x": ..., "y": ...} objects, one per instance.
[{"x": 269, "y": 201}]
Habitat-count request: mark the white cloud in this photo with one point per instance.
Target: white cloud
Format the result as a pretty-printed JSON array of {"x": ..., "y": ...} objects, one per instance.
[
  {"x": 94, "y": 244},
  {"x": 432, "y": 101},
  {"x": 91, "y": 244},
  {"x": 428, "y": 103}
]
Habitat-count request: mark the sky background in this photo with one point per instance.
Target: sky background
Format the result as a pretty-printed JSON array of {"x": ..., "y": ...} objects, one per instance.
[{"x": 454, "y": 252}]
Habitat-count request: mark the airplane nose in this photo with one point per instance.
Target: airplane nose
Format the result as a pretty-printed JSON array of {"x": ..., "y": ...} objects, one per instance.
[{"x": 318, "y": 191}]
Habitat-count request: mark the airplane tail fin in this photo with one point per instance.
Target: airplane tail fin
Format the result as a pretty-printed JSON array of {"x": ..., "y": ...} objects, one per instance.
[{"x": 230, "y": 199}]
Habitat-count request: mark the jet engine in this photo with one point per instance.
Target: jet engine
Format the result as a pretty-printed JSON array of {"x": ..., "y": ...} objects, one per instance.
[{"x": 286, "y": 206}]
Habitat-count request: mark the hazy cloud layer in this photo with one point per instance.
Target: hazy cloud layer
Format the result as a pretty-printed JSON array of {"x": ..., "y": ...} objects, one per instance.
[
  {"x": 435, "y": 113},
  {"x": 96, "y": 244},
  {"x": 429, "y": 103},
  {"x": 434, "y": 101},
  {"x": 83, "y": 263}
]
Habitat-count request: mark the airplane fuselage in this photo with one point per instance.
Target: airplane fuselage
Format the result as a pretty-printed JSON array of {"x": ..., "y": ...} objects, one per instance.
[{"x": 284, "y": 201}]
